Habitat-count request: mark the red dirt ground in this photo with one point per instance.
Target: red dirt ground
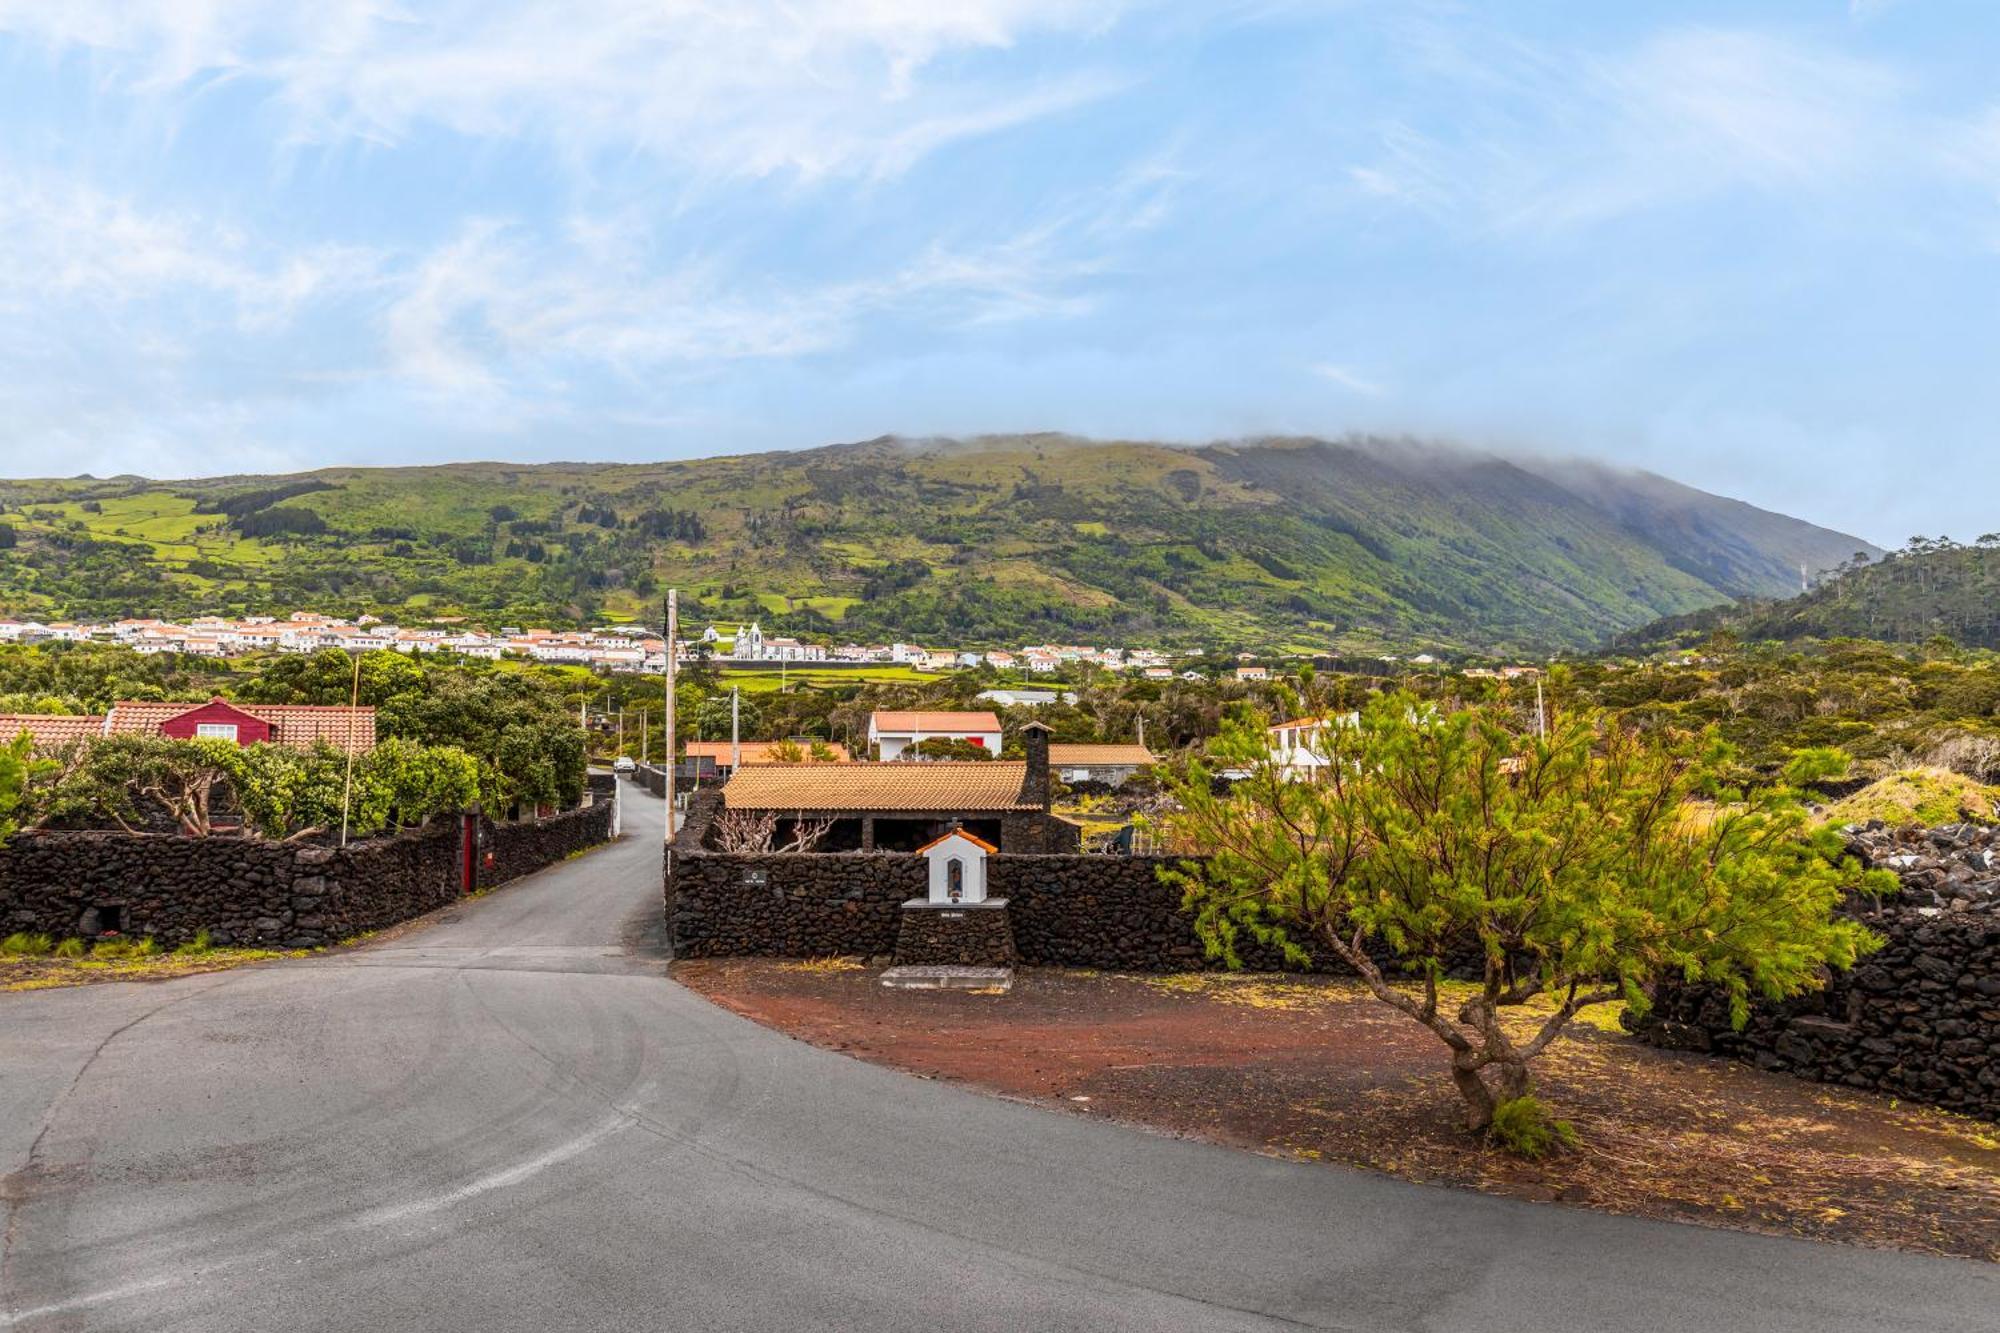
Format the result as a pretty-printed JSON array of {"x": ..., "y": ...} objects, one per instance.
[{"x": 1315, "y": 1068}]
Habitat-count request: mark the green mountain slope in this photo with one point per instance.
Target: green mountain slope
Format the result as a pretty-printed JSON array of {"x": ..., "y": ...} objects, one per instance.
[
  {"x": 1928, "y": 588},
  {"x": 1270, "y": 543}
]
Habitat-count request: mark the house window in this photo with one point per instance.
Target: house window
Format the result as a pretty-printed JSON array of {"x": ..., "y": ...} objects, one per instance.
[{"x": 219, "y": 731}]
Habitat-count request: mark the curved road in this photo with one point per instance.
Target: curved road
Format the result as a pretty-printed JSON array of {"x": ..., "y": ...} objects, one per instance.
[{"x": 512, "y": 1120}]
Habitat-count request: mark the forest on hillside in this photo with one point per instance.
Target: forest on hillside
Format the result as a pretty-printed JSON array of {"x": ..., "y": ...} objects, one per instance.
[{"x": 1931, "y": 588}]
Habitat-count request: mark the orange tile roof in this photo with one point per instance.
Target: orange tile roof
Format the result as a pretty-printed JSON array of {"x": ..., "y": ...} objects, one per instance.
[
  {"x": 1127, "y": 753},
  {"x": 957, "y": 833},
  {"x": 756, "y": 752},
  {"x": 941, "y": 787},
  {"x": 47, "y": 731},
  {"x": 935, "y": 721},
  {"x": 297, "y": 725}
]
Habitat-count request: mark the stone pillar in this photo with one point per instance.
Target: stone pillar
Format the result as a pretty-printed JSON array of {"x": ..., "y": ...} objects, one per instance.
[{"x": 867, "y": 833}]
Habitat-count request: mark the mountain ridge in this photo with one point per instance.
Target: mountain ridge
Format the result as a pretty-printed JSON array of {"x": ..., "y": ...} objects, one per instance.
[{"x": 1263, "y": 542}]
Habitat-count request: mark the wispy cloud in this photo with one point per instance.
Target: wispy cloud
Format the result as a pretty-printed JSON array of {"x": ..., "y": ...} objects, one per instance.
[
  {"x": 1530, "y": 136},
  {"x": 499, "y": 306},
  {"x": 1348, "y": 378},
  {"x": 71, "y": 242},
  {"x": 750, "y": 88}
]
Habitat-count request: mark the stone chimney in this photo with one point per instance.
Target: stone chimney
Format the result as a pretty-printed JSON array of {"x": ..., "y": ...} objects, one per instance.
[{"x": 1035, "y": 789}]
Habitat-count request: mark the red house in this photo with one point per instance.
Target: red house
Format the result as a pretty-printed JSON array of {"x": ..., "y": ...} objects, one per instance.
[
  {"x": 219, "y": 720},
  {"x": 301, "y": 726}
]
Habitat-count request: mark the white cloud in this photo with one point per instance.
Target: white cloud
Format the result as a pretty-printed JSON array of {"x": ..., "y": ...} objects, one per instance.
[
  {"x": 497, "y": 307},
  {"x": 746, "y": 88},
  {"x": 1348, "y": 378},
  {"x": 1541, "y": 138},
  {"x": 70, "y": 242}
]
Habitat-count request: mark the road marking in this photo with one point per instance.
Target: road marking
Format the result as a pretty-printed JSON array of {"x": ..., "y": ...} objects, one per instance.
[
  {"x": 513, "y": 1175},
  {"x": 83, "y": 1302}
]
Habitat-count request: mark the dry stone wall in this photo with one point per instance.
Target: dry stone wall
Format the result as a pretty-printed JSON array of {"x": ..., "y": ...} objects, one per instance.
[
  {"x": 509, "y": 851},
  {"x": 248, "y": 892},
  {"x": 241, "y": 891},
  {"x": 965, "y": 935},
  {"x": 1920, "y": 1018}
]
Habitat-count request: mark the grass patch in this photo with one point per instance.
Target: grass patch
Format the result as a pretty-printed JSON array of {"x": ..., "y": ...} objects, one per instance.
[
  {"x": 1927, "y": 796},
  {"x": 74, "y": 963}
]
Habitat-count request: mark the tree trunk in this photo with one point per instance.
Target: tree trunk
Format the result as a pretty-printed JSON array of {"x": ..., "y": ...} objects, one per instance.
[{"x": 1472, "y": 1090}]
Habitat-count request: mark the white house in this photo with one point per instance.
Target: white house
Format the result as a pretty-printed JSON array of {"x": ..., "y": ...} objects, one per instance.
[
  {"x": 1298, "y": 748},
  {"x": 892, "y": 732},
  {"x": 957, "y": 867}
]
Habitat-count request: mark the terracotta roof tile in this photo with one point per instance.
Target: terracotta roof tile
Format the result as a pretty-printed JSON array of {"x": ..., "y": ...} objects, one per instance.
[
  {"x": 754, "y": 752},
  {"x": 942, "y": 787},
  {"x": 298, "y": 725},
  {"x": 1085, "y": 755},
  {"x": 49, "y": 730},
  {"x": 890, "y": 720}
]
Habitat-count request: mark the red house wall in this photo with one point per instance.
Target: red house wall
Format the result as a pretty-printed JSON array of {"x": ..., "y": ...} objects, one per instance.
[{"x": 249, "y": 730}]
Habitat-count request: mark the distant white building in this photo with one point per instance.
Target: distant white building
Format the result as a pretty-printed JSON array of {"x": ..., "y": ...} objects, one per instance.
[{"x": 891, "y": 732}]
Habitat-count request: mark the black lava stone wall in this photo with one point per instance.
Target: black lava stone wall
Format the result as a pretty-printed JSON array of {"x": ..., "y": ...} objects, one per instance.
[
  {"x": 955, "y": 937},
  {"x": 509, "y": 851},
  {"x": 242, "y": 891},
  {"x": 1919, "y": 1019},
  {"x": 248, "y": 892}
]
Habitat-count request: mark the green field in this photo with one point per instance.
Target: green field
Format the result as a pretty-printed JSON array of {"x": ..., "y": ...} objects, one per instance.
[{"x": 760, "y": 681}]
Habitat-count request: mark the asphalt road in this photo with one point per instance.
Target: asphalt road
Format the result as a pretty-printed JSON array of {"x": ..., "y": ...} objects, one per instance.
[{"x": 512, "y": 1120}]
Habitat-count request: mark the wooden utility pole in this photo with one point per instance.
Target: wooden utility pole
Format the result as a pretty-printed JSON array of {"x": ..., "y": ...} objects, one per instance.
[
  {"x": 347, "y": 785},
  {"x": 673, "y": 666},
  {"x": 735, "y": 729},
  {"x": 645, "y": 741}
]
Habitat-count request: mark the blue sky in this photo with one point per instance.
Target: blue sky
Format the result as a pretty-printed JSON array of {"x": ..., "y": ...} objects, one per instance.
[{"x": 1755, "y": 246}]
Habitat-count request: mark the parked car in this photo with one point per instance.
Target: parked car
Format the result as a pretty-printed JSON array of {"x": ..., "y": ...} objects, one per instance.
[{"x": 624, "y": 763}]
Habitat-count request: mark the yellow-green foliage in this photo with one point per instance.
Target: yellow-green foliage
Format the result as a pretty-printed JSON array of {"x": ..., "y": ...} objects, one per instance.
[
  {"x": 1523, "y": 1126},
  {"x": 1918, "y": 796},
  {"x": 23, "y": 945}
]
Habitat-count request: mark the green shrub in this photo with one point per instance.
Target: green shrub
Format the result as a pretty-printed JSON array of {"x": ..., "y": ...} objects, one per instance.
[
  {"x": 1522, "y": 1126},
  {"x": 23, "y": 945},
  {"x": 195, "y": 947},
  {"x": 70, "y": 948}
]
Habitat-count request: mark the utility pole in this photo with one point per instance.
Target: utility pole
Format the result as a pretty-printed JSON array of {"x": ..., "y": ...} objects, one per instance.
[
  {"x": 673, "y": 664},
  {"x": 1541, "y": 715},
  {"x": 1142, "y": 729},
  {"x": 347, "y": 787},
  {"x": 735, "y": 729},
  {"x": 645, "y": 741},
  {"x": 621, "y": 731}
]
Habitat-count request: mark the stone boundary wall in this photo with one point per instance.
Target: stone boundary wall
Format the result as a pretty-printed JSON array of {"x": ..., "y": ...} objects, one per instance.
[
  {"x": 250, "y": 893},
  {"x": 242, "y": 891},
  {"x": 1920, "y": 1018},
  {"x": 509, "y": 851},
  {"x": 1067, "y": 909}
]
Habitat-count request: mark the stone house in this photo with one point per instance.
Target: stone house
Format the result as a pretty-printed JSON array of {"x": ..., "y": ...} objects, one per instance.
[
  {"x": 1113, "y": 764},
  {"x": 901, "y": 807}
]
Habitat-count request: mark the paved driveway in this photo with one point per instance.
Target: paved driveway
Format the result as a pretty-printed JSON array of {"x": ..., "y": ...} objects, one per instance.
[{"x": 511, "y": 1120}]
